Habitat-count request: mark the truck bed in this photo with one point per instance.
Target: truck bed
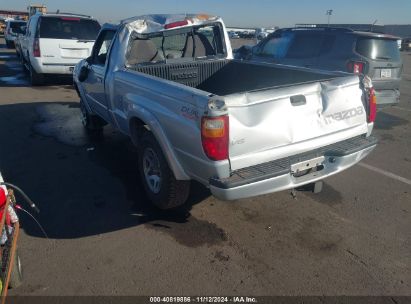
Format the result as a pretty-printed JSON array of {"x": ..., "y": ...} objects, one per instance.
[{"x": 224, "y": 77}]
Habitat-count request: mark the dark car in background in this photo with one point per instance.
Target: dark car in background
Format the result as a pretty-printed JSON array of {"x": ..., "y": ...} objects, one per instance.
[
  {"x": 406, "y": 44},
  {"x": 337, "y": 49}
]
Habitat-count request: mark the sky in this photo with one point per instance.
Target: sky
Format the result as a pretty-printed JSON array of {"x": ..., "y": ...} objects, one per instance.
[{"x": 238, "y": 13}]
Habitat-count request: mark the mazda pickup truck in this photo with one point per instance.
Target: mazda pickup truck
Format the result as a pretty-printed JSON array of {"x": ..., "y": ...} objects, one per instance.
[{"x": 242, "y": 129}]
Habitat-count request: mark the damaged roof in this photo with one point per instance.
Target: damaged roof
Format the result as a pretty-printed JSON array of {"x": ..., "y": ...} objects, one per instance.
[{"x": 160, "y": 22}]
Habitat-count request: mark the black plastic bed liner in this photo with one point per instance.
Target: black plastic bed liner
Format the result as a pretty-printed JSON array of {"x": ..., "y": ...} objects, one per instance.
[
  {"x": 283, "y": 166},
  {"x": 224, "y": 76}
]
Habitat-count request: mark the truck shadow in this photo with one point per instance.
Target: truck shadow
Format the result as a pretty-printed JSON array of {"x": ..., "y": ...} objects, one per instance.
[
  {"x": 83, "y": 185},
  {"x": 386, "y": 121}
]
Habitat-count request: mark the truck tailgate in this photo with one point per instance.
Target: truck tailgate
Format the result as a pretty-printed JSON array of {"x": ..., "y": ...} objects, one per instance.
[{"x": 279, "y": 122}]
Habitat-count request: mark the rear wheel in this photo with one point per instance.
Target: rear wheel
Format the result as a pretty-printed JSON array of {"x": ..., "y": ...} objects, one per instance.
[
  {"x": 162, "y": 188},
  {"x": 35, "y": 78}
]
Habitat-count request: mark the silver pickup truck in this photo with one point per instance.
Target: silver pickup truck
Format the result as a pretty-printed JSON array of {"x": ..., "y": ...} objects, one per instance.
[{"x": 240, "y": 128}]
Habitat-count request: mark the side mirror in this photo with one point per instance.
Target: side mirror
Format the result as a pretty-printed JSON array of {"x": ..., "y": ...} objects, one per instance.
[
  {"x": 244, "y": 52},
  {"x": 83, "y": 74}
]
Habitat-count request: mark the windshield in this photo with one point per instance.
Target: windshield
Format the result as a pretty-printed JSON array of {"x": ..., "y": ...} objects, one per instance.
[
  {"x": 15, "y": 26},
  {"x": 377, "y": 48},
  {"x": 276, "y": 46},
  {"x": 197, "y": 42},
  {"x": 296, "y": 45},
  {"x": 68, "y": 28}
]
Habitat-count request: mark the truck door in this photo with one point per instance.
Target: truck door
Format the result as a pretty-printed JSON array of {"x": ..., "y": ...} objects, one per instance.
[{"x": 94, "y": 84}]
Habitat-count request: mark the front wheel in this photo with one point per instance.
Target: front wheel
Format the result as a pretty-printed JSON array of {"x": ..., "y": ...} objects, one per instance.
[
  {"x": 92, "y": 123},
  {"x": 16, "y": 276},
  {"x": 162, "y": 188}
]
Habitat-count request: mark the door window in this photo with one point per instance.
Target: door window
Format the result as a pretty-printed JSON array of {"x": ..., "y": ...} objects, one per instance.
[
  {"x": 276, "y": 46},
  {"x": 305, "y": 46},
  {"x": 102, "y": 46}
]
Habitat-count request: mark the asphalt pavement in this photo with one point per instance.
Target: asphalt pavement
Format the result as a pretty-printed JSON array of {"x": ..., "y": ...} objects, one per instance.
[{"x": 104, "y": 238}]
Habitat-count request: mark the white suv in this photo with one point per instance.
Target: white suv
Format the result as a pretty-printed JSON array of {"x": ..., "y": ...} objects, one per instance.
[
  {"x": 55, "y": 43},
  {"x": 13, "y": 29}
]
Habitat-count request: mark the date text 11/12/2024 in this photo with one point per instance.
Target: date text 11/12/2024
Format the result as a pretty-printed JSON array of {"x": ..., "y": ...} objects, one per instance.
[{"x": 203, "y": 299}]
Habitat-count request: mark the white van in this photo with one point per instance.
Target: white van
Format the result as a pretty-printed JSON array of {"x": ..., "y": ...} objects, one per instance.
[
  {"x": 13, "y": 29},
  {"x": 55, "y": 43}
]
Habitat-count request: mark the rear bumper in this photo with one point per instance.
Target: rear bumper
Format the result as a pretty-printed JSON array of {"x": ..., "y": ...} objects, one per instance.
[
  {"x": 277, "y": 176},
  {"x": 52, "y": 68},
  {"x": 387, "y": 97}
]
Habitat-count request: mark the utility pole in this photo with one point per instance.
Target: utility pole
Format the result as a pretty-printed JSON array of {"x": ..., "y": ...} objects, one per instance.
[{"x": 329, "y": 13}]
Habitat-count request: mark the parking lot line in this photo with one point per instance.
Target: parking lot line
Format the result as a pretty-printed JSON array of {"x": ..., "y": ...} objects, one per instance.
[{"x": 386, "y": 173}]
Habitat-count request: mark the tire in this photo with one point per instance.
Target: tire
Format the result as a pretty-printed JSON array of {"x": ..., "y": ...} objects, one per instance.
[
  {"x": 35, "y": 78},
  {"x": 16, "y": 276},
  {"x": 92, "y": 123},
  {"x": 162, "y": 188}
]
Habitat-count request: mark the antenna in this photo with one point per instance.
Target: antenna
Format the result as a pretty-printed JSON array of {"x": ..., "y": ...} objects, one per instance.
[{"x": 372, "y": 25}]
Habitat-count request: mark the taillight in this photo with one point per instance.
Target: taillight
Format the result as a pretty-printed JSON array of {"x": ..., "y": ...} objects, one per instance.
[
  {"x": 370, "y": 97},
  {"x": 214, "y": 137},
  {"x": 372, "y": 105},
  {"x": 36, "y": 48},
  {"x": 355, "y": 67}
]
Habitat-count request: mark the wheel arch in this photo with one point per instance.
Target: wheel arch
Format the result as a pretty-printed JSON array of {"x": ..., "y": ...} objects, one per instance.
[{"x": 146, "y": 122}]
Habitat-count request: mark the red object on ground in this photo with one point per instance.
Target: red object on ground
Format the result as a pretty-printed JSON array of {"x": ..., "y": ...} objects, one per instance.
[{"x": 3, "y": 197}]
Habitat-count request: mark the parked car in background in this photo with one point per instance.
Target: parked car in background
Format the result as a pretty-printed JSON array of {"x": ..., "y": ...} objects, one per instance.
[
  {"x": 406, "y": 44},
  {"x": 17, "y": 42},
  {"x": 336, "y": 49},
  {"x": 247, "y": 34},
  {"x": 13, "y": 28},
  {"x": 2, "y": 26},
  {"x": 240, "y": 128},
  {"x": 260, "y": 33},
  {"x": 55, "y": 43},
  {"x": 233, "y": 35}
]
